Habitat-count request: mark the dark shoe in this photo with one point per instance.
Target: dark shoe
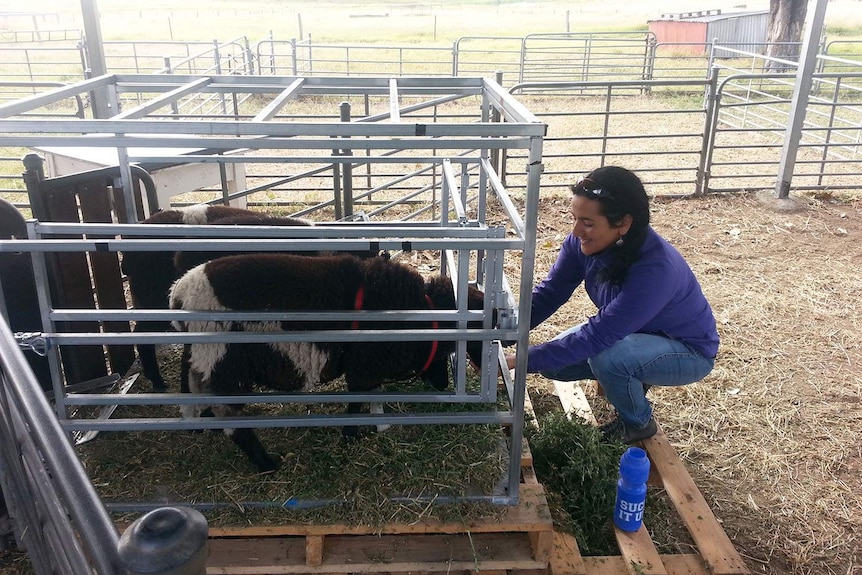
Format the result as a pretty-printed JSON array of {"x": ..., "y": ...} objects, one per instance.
[
  {"x": 634, "y": 434},
  {"x": 616, "y": 430},
  {"x": 613, "y": 430}
]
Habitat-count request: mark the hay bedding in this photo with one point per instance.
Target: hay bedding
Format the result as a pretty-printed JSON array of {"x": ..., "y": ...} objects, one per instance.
[{"x": 358, "y": 479}]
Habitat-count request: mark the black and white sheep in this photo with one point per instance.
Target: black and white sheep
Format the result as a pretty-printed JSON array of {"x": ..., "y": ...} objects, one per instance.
[
  {"x": 150, "y": 274},
  {"x": 276, "y": 282}
]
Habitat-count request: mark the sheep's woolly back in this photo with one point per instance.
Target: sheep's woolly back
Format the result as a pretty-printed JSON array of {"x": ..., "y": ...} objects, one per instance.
[
  {"x": 194, "y": 291},
  {"x": 194, "y": 215}
]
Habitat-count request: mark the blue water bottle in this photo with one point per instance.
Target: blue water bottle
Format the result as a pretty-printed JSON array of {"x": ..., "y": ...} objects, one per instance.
[{"x": 631, "y": 489}]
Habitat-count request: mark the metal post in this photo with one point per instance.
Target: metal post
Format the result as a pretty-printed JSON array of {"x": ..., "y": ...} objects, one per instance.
[
  {"x": 96, "y": 57},
  {"x": 528, "y": 262},
  {"x": 347, "y": 169},
  {"x": 455, "y": 58},
  {"x": 34, "y": 173},
  {"x": 710, "y": 121},
  {"x": 496, "y": 118},
  {"x": 799, "y": 103}
]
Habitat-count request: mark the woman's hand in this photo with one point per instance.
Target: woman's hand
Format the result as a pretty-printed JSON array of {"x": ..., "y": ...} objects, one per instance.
[{"x": 510, "y": 360}]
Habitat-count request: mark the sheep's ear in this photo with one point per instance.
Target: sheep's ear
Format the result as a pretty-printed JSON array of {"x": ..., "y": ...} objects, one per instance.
[
  {"x": 439, "y": 287},
  {"x": 475, "y": 298}
]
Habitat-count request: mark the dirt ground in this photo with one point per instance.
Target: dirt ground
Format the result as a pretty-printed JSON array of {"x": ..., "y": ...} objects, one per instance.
[{"x": 772, "y": 436}]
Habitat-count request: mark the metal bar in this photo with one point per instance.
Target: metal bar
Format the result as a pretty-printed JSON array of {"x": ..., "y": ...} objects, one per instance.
[{"x": 271, "y": 109}]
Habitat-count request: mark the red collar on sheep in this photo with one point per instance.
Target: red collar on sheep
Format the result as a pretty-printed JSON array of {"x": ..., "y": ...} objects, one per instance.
[
  {"x": 434, "y": 325},
  {"x": 357, "y": 305}
]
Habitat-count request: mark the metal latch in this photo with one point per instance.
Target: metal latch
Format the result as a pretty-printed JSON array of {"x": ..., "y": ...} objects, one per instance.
[{"x": 33, "y": 341}]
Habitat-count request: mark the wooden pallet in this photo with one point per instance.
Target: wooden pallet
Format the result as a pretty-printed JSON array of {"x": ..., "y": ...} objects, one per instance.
[
  {"x": 638, "y": 555},
  {"x": 520, "y": 541}
]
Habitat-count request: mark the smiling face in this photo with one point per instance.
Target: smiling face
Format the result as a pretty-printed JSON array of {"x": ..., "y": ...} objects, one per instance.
[{"x": 593, "y": 228}]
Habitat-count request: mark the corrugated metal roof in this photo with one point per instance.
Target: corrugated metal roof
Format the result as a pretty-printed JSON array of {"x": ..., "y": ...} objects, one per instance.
[{"x": 707, "y": 16}]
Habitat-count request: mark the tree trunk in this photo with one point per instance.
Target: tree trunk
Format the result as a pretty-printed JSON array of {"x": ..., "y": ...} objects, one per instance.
[{"x": 786, "y": 20}]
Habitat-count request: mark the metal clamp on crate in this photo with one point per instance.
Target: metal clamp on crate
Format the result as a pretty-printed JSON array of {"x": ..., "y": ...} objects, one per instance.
[{"x": 33, "y": 341}]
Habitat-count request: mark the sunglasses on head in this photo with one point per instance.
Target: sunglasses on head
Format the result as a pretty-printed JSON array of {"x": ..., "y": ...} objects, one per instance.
[{"x": 592, "y": 189}]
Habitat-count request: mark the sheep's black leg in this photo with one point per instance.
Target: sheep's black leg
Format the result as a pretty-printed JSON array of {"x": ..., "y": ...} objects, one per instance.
[
  {"x": 147, "y": 356},
  {"x": 185, "y": 365},
  {"x": 150, "y": 366},
  {"x": 247, "y": 441},
  {"x": 351, "y": 432}
]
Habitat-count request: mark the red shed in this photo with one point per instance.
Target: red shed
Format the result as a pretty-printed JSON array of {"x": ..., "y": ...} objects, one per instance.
[{"x": 743, "y": 30}]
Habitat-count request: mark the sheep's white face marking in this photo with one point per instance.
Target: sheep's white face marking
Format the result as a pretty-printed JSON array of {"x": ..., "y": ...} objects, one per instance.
[{"x": 195, "y": 215}]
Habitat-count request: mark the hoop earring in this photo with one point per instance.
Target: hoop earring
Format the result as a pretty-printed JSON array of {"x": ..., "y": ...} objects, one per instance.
[{"x": 620, "y": 242}]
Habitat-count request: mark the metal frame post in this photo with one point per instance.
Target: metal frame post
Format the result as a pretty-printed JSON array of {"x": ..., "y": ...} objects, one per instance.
[{"x": 799, "y": 103}]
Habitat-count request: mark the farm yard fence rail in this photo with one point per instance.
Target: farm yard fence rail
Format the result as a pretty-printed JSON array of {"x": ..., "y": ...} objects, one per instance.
[
  {"x": 750, "y": 99},
  {"x": 535, "y": 57},
  {"x": 752, "y": 112},
  {"x": 582, "y": 56},
  {"x": 604, "y": 123},
  {"x": 47, "y": 505},
  {"x": 684, "y": 143}
]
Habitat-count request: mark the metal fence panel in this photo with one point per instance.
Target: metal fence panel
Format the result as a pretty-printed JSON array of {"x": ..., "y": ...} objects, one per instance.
[
  {"x": 586, "y": 56},
  {"x": 59, "y": 517},
  {"x": 591, "y": 124}
]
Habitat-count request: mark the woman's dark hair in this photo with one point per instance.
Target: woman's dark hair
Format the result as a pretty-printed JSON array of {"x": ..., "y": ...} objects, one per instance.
[{"x": 619, "y": 193}]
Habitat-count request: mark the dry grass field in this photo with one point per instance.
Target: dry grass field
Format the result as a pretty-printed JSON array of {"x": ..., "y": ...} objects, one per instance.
[{"x": 390, "y": 21}]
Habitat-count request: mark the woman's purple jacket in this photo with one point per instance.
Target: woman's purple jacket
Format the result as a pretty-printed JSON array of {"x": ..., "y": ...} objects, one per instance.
[{"x": 660, "y": 295}]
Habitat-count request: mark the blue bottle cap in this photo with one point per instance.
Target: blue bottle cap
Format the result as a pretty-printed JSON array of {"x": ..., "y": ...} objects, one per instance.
[{"x": 634, "y": 465}]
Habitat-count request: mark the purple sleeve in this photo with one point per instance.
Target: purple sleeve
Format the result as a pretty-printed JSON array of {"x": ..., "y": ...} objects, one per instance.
[
  {"x": 643, "y": 295},
  {"x": 558, "y": 286}
]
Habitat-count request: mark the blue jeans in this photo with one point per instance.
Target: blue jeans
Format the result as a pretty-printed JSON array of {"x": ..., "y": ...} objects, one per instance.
[{"x": 637, "y": 360}]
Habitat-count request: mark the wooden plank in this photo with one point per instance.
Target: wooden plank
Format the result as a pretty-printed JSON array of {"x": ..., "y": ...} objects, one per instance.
[
  {"x": 314, "y": 550},
  {"x": 712, "y": 542},
  {"x": 639, "y": 552},
  {"x": 371, "y": 554},
  {"x": 542, "y": 543},
  {"x": 528, "y": 476},
  {"x": 574, "y": 400},
  {"x": 528, "y": 409},
  {"x": 566, "y": 558},
  {"x": 526, "y": 454},
  {"x": 531, "y": 514},
  {"x": 683, "y": 564},
  {"x": 71, "y": 287},
  {"x": 107, "y": 278}
]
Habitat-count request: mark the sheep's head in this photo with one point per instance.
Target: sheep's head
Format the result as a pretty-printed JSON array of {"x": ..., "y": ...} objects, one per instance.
[{"x": 439, "y": 290}]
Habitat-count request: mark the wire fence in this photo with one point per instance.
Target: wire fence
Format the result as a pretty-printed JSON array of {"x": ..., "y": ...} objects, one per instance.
[{"x": 606, "y": 70}]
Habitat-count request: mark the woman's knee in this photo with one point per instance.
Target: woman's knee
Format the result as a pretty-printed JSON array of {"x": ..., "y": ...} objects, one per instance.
[{"x": 608, "y": 365}]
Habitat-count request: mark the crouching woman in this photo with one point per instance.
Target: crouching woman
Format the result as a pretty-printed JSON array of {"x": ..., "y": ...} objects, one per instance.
[{"x": 653, "y": 325}]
